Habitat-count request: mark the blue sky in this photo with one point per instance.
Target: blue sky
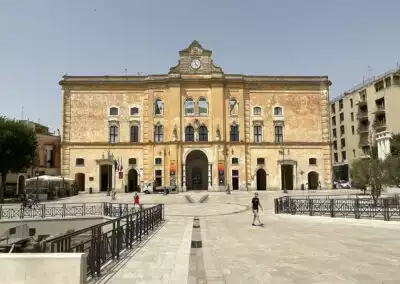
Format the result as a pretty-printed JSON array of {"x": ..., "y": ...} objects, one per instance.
[{"x": 42, "y": 40}]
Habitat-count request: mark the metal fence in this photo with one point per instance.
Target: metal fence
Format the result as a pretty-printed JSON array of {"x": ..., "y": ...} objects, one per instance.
[
  {"x": 105, "y": 242},
  {"x": 62, "y": 210},
  {"x": 386, "y": 208}
]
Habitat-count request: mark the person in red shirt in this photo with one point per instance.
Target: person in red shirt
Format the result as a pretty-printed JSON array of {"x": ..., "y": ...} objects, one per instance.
[{"x": 136, "y": 200}]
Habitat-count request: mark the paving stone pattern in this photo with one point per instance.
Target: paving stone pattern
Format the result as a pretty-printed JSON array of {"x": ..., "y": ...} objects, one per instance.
[{"x": 288, "y": 249}]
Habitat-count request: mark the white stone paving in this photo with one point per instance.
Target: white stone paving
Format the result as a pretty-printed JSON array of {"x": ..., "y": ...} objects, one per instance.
[{"x": 288, "y": 249}]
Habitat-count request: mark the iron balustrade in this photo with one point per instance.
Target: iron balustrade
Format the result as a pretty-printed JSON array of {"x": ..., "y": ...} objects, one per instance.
[
  {"x": 106, "y": 241},
  {"x": 62, "y": 210},
  {"x": 386, "y": 208}
]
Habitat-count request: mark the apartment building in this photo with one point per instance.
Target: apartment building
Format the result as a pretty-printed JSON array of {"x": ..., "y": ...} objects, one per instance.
[{"x": 368, "y": 113}]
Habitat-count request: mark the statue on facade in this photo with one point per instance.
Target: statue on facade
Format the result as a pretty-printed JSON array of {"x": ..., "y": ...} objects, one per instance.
[
  {"x": 174, "y": 134},
  {"x": 218, "y": 136}
]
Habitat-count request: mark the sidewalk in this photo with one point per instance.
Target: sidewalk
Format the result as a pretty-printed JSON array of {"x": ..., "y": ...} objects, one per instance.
[{"x": 163, "y": 259}]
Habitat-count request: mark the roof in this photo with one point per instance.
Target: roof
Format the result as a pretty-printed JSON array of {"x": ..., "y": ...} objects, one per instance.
[{"x": 364, "y": 84}]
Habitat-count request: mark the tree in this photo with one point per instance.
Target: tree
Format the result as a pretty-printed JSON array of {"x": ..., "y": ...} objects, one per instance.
[
  {"x": 369, "y": 172},
  {"x": 395, "y": 145},
  {"x": 17, "y": 148},
  {"x": 392, "y": 165}
]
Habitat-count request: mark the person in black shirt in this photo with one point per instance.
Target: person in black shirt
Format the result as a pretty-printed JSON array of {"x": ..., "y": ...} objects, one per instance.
[{"x": 255, "y": 202}]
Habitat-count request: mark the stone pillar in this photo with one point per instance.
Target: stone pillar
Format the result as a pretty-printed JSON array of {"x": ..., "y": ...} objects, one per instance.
[
  {"x": 184, "y": 178},
  {"x": 209, "y": 177},
  {"x": 387, "y": 147}
]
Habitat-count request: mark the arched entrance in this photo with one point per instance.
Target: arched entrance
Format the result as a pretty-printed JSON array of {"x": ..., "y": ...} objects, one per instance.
[
  {"x": 80, "y": 181},
  {"x": 132, "y": 180},
  {"x": 21, "y": 184},
  {"x": 106, "y": 177},
  {"x": 261, "y": 179},
  {"x": 313, "y": 179},
  {"x": 196, "y": 171}
]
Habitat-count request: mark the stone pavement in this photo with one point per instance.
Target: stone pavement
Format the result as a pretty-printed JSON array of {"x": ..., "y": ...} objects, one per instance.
[{"x": 287, "y": 249}]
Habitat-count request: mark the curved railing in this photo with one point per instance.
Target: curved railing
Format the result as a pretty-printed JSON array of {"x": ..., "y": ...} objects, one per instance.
[{"x": 385, "y": 208}]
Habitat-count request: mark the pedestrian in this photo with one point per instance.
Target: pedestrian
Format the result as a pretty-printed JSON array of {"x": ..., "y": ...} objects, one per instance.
[
  {"x": 136, "y": 201},
  {"x": 255, "y": 202}
]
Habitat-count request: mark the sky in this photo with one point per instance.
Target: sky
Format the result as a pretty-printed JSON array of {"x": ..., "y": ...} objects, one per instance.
[{"x": 42, "y": 40}]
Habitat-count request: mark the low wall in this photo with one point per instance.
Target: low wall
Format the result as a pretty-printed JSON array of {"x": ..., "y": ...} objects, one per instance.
[
  {"x": 35, "y": 268},
  {"x": 53, "y": 226}
]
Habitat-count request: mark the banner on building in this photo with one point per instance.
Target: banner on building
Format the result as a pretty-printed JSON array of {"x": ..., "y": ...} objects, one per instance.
[
  {"x": 221, "y": 172},
  {"x": 172, "y": 168}
]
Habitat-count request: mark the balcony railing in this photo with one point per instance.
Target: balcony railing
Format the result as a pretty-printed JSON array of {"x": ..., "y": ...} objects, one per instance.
[
  {"x": 380, "y": 109},
  {"x": 361, "y": 102},
  {"x": 380, "y": 124},
  {"x": 364, "y": 141},
  {"x": 361, "y": 115},
  {"x": 363, "y": 129}
]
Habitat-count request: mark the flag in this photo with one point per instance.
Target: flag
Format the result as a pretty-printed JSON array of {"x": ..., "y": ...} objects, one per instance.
[
  {"x": 120, "y": 167},
  {"x": 116, "y": 165}
]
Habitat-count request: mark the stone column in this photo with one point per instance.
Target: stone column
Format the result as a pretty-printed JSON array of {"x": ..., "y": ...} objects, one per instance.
[
  {"x": 209, "y": 177},
  {"x": 184, "y": 178},
  {"x": 379, "y": 144},
  {"x": 387, "y": 147}
]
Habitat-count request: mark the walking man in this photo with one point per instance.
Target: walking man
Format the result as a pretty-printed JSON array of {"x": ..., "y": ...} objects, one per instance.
[{"x": 255, "y": 204}]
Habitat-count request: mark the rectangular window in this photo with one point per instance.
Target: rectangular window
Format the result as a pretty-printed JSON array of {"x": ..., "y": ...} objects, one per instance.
[
  {"x": 342, "y": 130},
  {"x": 257, "y": 134},
  {"x": 340, "y": 104},
  {"x": 379, "y": 86},
  {"x": 335, "y": 157},
  {"x": 158, "y": 161},
  {"x": 334, "y": 145},
  {"x": 352, "y": 129},
  {"x": 235, "y": 161},
  {"x": 278, "y": 134},
  {"x": 113, "y": 134},
  {"x": 344, "y": 158},
  {"x": 134, "y": 134},
  {"x": 351, "y": 102},
  {"x": 343, "y": 142},
  {"x": 333, "y": 120},
  {"x": 234, "y": 133},
  {"x": 158, "y": 133},
  {"x": 333, "y": 109},
  {"x": 260, "y": 161},
  {"x": 352, "y": 116},
  {"x": 334, "y": 133},
  {"x": 341, "y": 117}
]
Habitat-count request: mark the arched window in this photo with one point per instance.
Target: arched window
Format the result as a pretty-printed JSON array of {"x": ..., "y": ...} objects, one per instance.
[
  {"x": 189, "y": 106},
  {"x": 277, "y": 111},
  {"x": 189, "y": 134},
  {"x": 278, "y": 134},
  {"x": 132, "y": 161},
  {"x": 203, "y": 133},
  {"x": 113, "y": 134},
  {"x": 203, "y": 107},
  {"x": 312, "y": 161},
  {"x": 233, "y": 107},
  {"x": 134, "y": 111},
  {"x": 114, "y": 111},
  {"x": 134, "y": 134},
  {"x": 158, "y": 107},
  {"x": 158, "y": 133},
  {"x": 256, "y": 111},
  {"x": 234, "y": 133}
]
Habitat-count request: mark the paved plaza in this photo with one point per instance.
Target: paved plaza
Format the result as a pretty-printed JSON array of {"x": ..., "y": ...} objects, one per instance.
[{"x": 288, "y": 249}]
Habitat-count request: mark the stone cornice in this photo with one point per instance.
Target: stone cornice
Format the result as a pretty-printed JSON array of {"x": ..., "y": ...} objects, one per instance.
[
  {"x": 196, "y": 144},
  {"x": 176, "y": 78}
]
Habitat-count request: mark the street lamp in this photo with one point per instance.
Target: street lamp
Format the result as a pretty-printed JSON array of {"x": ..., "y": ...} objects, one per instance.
[{"x": 283, "y": 169}]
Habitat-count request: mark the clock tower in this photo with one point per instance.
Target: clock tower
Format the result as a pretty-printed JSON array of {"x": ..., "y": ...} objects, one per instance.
[{"x": 195, "y": 60}]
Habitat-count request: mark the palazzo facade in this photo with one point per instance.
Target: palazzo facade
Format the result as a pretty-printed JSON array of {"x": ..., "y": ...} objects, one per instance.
[{"x": 197, "y": 128}]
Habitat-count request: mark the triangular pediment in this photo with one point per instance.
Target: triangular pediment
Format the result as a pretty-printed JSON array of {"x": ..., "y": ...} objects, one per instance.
[{"x": 195, "y": 60}]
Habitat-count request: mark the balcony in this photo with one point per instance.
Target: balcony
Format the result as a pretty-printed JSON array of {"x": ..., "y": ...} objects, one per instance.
[
  {"x": 363, "y": 129},
  {"x": 380, "y": 125},
  {"x": 380, "y": 109},
  {"x": 362, "y": 102},
  {"x": 364, "y": 141},
  {"x": 362, "y": 115}
]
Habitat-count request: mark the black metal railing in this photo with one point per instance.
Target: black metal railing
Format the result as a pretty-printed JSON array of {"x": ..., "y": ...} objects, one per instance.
[
  {"x": 106, "y": 241},
  {"x": 62, "y": 210},
  {"x": 385, "y": 208}
]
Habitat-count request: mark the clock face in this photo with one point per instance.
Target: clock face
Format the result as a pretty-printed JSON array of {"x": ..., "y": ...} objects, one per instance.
[{"x": 195, "y": 64}]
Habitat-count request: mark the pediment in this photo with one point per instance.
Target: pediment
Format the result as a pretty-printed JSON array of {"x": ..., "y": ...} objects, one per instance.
[{"x": 195, "y": 52}]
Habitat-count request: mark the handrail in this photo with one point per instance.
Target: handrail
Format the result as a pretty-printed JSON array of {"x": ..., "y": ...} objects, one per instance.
[{"x": 103, "y": 244}]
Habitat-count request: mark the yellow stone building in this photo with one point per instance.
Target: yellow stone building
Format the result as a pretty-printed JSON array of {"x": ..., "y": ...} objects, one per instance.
[{"x": 196, "y": 127}]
